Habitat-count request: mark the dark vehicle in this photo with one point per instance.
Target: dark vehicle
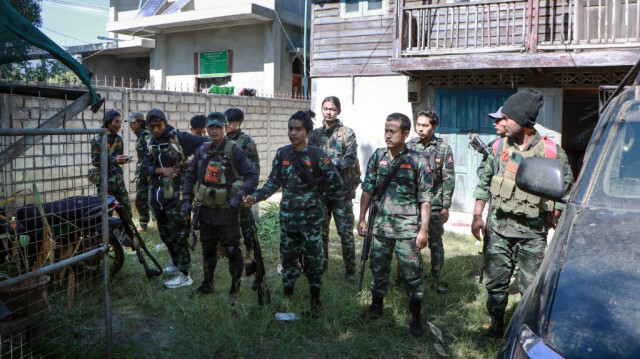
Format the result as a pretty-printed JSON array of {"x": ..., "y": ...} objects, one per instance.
[
  {"x": 585, "y": 300},
  {"x": 78, "y": 221}
]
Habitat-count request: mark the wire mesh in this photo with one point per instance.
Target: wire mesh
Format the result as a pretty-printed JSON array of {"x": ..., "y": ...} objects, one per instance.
[{"x": 52, "y": 234}]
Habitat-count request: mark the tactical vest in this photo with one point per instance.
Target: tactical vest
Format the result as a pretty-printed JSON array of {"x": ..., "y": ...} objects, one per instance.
[
  {"x": 173, "y": 149},
  {"x": 218, "y": 179},
  {"x": 414, "y": 162},
  {"x": 175, "y": 158},
  {"x": 504, "y": 192}
]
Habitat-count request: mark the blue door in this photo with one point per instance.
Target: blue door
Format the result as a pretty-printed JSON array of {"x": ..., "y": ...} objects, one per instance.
[{"x": 463, "y": 114}]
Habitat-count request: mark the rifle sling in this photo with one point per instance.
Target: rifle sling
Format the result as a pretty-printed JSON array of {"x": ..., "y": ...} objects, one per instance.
[{"x": 382, "y": 189}]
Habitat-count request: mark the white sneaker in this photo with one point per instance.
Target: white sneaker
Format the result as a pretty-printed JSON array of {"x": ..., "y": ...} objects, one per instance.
[
  {"x": 171, "y": 269},
  {"x": 179, "y": 281}
]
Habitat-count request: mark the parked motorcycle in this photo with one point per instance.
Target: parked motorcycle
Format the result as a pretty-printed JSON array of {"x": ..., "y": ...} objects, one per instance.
[{"x": 76, "y": 223}]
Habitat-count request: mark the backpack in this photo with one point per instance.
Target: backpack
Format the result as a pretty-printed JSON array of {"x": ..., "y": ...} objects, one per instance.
[
  {"x": 356, "y": 172},
  {"x": 549, "y": 147}
]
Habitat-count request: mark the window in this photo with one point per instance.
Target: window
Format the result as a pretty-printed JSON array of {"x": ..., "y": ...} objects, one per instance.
[{"x": 359, "y": 8}]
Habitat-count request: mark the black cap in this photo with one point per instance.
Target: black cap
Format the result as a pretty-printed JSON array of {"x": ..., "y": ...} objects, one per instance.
[
  {"x": 155, "y": 115},
  {"x": 110, "y": 116}
]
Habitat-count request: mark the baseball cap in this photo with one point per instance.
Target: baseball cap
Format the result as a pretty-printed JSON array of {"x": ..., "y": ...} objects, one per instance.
[
  {"x": 156, "y": 114},
  {"x": 497, "y": 115},
  {"x": 133, "y": 116},
  {"x": 216, "y": 118}
]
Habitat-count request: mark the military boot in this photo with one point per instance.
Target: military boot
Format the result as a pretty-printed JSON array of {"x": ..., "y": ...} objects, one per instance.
[
  {"x": 316, "y": 306},
  {"x": 440, "y": 286},
  {"x": 495, "y": 331},
  {"x": 203, "y": 289},
  {"x": 375, "y": 309},
  {"x": 415, "y": 325}
]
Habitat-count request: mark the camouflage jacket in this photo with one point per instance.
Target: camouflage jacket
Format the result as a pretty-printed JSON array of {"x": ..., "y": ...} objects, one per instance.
[
  {"x": 247, "y": 145},
  {"x": 115, "y": 148},
  {"x": 302, "y": 202},
  {"x": 399, "y": 209},
  {"x": 508, "y": 224},
  {"x": 440, "y": 159},
  {"x": 339, "y": 142},
  {"x": 141, "y": 147}
]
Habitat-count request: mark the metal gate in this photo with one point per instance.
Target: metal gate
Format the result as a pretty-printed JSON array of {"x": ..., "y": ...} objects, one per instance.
[{"x": 54, "y": 252}]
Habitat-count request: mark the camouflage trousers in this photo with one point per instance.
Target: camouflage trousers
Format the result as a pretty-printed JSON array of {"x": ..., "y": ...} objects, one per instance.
[
  {"x": 503, "y": 255},
  {"x": 342, "y": 211},
  {"x": 436, "y": 230},
  {"x": 142, "y": 199},
  {"x": 308, "y": 243},
  {"x": 228, "y": 237},
  {"x": 247, "y": 226},
  {"x": 117, "y": 189},
  {"x": 409, "y": 262},
  {"x": 174, "y": 232}
]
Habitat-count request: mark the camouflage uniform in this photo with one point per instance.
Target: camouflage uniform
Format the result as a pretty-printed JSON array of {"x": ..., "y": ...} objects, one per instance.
[
  {"x": 115, "y": 175},
  {"x": 165, "y": 196},
  {"x": 142, "y": 181},
  {"x": 302, "y": 210},
  {"x": 247, "y": 222},
  {"x": 398, "y": 221},
  {"x": 514, "y": 238},
  {"x": 440, "y": 158},
  {"x": 339, "y": 142}
]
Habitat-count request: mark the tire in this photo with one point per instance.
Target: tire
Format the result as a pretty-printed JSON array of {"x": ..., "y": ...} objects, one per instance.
[{"x": 116, "y": 256}]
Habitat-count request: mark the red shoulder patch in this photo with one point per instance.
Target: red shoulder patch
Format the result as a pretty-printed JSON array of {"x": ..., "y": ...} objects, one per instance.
[
  {"x": 405, "y": 165},
  {"x": 326, "y": 160},
  {"x": 286, "y": 163}
]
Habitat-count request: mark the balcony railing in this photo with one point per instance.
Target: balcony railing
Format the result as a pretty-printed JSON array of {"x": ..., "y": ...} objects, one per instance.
[{"x": 515, "y": 25}]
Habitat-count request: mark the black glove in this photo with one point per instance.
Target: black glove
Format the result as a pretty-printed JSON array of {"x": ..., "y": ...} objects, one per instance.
[
  {"x": 186, "y": 209},
  {"x": 235, "y": 202}
]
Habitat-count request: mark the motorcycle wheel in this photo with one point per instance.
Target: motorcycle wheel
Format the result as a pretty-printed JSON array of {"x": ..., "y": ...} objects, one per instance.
[{"x": 116, "y": 255}]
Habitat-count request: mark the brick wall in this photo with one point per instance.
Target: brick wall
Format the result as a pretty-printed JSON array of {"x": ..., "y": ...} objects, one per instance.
[{"x": 265, "y": 118}]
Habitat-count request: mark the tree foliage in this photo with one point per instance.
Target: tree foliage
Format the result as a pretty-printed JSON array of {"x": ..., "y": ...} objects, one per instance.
[{"x": 30, "y": 9}]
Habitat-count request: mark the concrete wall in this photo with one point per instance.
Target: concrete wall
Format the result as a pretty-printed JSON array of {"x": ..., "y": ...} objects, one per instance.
[
  {"x": 265, "y": 121},
  {"x": 123, "y": 69},
  {"x": 366, "y": 103},
  {"x": 260, "y": 59}
]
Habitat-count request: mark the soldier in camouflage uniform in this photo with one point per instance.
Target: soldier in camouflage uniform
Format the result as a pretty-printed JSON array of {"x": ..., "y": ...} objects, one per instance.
[
  {"x": 308, "y": 179},
  {"x": 440, "y": 159},
  {"x": 403, "y": 217},
  {"x": 519, "y": 221},
  {"x": 235, "y": 118},
  {"x": 138, "y": 125},
  {"x": 339, "y": 142},
  {"x": 115, "y": 158},
  {"x": 168, "y": 150}
]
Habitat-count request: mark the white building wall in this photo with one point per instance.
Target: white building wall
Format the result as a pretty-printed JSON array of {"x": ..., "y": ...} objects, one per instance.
[{"x": 366, "y": 103}]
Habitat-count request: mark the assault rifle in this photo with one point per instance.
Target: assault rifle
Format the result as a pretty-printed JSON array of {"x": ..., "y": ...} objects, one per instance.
[
  {"x": 137, "y": 243},
  {"x": 257, "y": 266},
  {"x": 480, "y": 146},
  {"x": 368, "y": 239},
  {"x": 195, "y": 224}
]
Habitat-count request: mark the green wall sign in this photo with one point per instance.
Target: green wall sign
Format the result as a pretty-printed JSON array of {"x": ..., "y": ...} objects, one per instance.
[{"x": 214, "y": 63}]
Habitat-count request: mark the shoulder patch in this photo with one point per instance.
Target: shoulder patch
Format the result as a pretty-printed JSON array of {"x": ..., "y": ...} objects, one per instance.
[
  {"x": 286, "y": 163},
  {"x": 405, "y": 165},
  {"x": 383, "y": 162},
  {"x": 325, "y": 160}
]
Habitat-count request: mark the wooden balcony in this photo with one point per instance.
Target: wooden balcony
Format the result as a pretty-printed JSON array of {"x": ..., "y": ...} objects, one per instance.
[{"x": 552, "y": 33}]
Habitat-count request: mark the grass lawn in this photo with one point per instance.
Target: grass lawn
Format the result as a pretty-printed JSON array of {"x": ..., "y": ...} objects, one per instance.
[{"x": 151, "y": 322}]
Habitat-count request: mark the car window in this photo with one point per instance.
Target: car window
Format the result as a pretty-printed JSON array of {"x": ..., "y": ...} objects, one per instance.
[{"x": 618, "y": 183}]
